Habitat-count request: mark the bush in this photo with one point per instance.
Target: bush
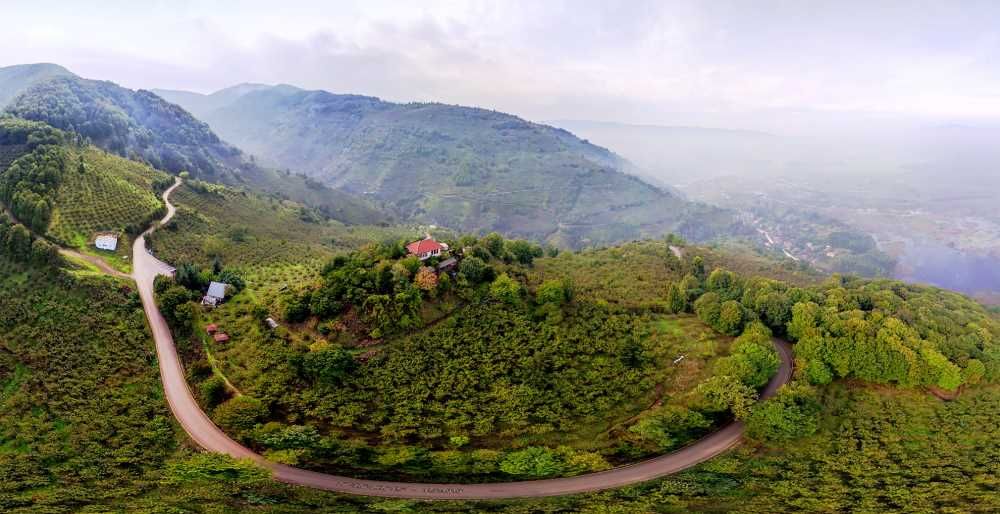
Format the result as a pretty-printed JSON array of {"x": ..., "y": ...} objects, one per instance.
[
  {"x": 792, "y": 413},
  {"x": 532, "y": 462}
]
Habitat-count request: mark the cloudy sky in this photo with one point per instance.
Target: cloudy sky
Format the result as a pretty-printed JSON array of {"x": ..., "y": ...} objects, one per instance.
[{"x": 633, "y": 61}]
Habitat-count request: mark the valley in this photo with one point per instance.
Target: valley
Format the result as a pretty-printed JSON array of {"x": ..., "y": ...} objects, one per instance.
[{"x": 350, "y": 305}]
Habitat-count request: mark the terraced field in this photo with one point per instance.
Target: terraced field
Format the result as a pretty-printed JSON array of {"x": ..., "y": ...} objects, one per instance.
[{"x": 106, "y": 194}]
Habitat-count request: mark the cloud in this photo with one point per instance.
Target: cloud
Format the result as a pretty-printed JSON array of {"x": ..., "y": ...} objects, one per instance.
[{"x": 637, "y": 61}]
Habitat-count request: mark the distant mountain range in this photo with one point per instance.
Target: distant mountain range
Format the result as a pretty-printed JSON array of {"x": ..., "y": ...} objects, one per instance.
[
  {"x": 364, "y": 160},
  {"x": 467, "y": 168}
]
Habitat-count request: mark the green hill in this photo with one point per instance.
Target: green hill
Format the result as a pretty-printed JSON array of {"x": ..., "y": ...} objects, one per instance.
[
  {"x": 70, "y": 192},
  {"x": 142, "y": 126},
  {"x": 14, "y": 80},
  {"x": 465, "y": 168}
]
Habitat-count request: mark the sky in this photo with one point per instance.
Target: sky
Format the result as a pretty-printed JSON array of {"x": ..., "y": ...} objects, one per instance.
[{"x": 635, "y": 62}]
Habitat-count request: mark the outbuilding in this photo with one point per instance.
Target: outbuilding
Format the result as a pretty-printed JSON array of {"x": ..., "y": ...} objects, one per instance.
[
  {"x": 215, "y": 295},
  {"x": 106, "y": 242}
]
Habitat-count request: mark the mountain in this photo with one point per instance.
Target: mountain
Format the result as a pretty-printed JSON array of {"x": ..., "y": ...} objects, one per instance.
[
  {"x": 142, "y": 126},
  {"x": 200, "y": 105},
  {"x": 466, "y": 168},
  {"x": 16, "y": 79}
]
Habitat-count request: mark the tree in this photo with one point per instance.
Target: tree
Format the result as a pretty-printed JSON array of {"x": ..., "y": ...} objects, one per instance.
[
  {"x": 43, "y": 252},
  {"x": 239, "y": 414},
  {"x": 523, "y": 251},
  {"x": 216, "y": 468},
  {"x": 805, "y": 318},
  {"x": 698, "y": 267},
  {"x": 676, "y": 300},
  {"x": 730, "y": 318},
  {"x": 708, "y": 308},
  {"x": 212, "y": 390},
  {"x": 475, "y": 270},
  {"x": 533, "y": 462},
  {"x": 327, "y": 366},
  {"x": 792, "y": 413},
  {"x": 494, "y": 243},
  {"x": 722, "y": 392},
  {"x": 552, "y": 291},
  {"x": 426, "y": 279},
  {"x": 506, "y": 289},
  {"x": 670, "y": 426}
]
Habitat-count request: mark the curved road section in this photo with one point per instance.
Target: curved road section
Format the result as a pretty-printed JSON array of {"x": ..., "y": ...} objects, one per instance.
[{"x": 210, "y": 437}]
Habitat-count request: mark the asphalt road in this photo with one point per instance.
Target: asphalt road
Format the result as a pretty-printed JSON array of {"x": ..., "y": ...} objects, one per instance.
[{"x": 201, "y": 429}]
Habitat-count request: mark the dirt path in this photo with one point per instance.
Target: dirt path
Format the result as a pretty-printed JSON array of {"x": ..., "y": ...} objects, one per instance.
[{"x": 207, "y": 435}]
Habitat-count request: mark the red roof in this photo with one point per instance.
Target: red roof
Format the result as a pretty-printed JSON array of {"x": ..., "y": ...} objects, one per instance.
[
  {"x": 221, "y": 338},
  {"x": 424, "y": 246},
  {"x": 211, "y": 328}
]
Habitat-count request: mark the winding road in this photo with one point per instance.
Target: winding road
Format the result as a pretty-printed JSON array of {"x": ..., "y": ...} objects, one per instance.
[{"x": 210, "y": 437}]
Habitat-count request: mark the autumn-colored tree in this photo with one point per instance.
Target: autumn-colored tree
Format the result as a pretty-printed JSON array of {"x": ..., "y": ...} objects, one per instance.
[{"x": 426, "y": 279}]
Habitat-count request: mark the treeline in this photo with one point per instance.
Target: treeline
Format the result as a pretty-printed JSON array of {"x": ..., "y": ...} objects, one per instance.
[
  {"x": 881, "y": 331},
  {"x": 134, "y": 124},
  {"x": 28, "y": 186},
  {"x": 20, "y": 245}
]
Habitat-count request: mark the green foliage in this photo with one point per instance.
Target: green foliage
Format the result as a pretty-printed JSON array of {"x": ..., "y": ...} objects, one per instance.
[
  {"x": 490, "y": 368},
  {"x": 475, "y": 270},
  {"x": 327, "y": 366},
  {"x": 553, "y": 291},
  {"x": 670, "y": 426},
  {"x": 722, "y": 393},
  {"x": 792, "y": 413},
  {"x": 212, "y": 391},
  {"x": 506, "y": 289},
  {"x": 239, "y": 414},
  {"x": 752, "y": 358},
  {"x": 215, "y": 468},
  {"x": 471, "y": 169},
  {"x": 532, "y": 462}
]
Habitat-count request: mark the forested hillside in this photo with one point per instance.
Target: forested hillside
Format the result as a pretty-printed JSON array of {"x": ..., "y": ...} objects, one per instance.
[
  {"x": 465, "y": 168},
  {"x": 142, "y": 126},
  {"x": 16, "y": 79},
  {"x": 68, "y": 191}
]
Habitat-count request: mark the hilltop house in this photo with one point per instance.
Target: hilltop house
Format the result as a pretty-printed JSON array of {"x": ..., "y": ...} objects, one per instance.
[
  {"x": 216, "y": 293},
  {"x": 106, "y": 242},
  {"x": 426, "y": 248}
]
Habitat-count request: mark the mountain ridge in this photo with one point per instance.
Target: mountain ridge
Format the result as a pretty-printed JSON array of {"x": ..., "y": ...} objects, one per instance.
[{"x": 468, "y": 168}]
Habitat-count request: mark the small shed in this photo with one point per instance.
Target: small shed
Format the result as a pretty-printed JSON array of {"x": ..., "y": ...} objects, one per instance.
[
  {"x": 221, "y": 337},
  {"x": 211, "y": 328},
  {"x": 447, "y": 264},
  {"x": 271, "y": 323},
  {"x": 216, "y": 293},
  {"x": 106, "y": 242}
]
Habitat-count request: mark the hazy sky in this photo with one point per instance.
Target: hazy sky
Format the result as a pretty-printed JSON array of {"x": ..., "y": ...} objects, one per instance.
[{"x": 633, "y": 61}]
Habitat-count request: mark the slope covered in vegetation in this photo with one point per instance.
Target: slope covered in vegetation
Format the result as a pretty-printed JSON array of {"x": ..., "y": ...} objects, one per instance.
[
  {"x": 389, "y": 369},
  {"x": 70, "y": 192},
  {"x": 464, "y": 168},
  {"x": 142, "y": 126}
]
